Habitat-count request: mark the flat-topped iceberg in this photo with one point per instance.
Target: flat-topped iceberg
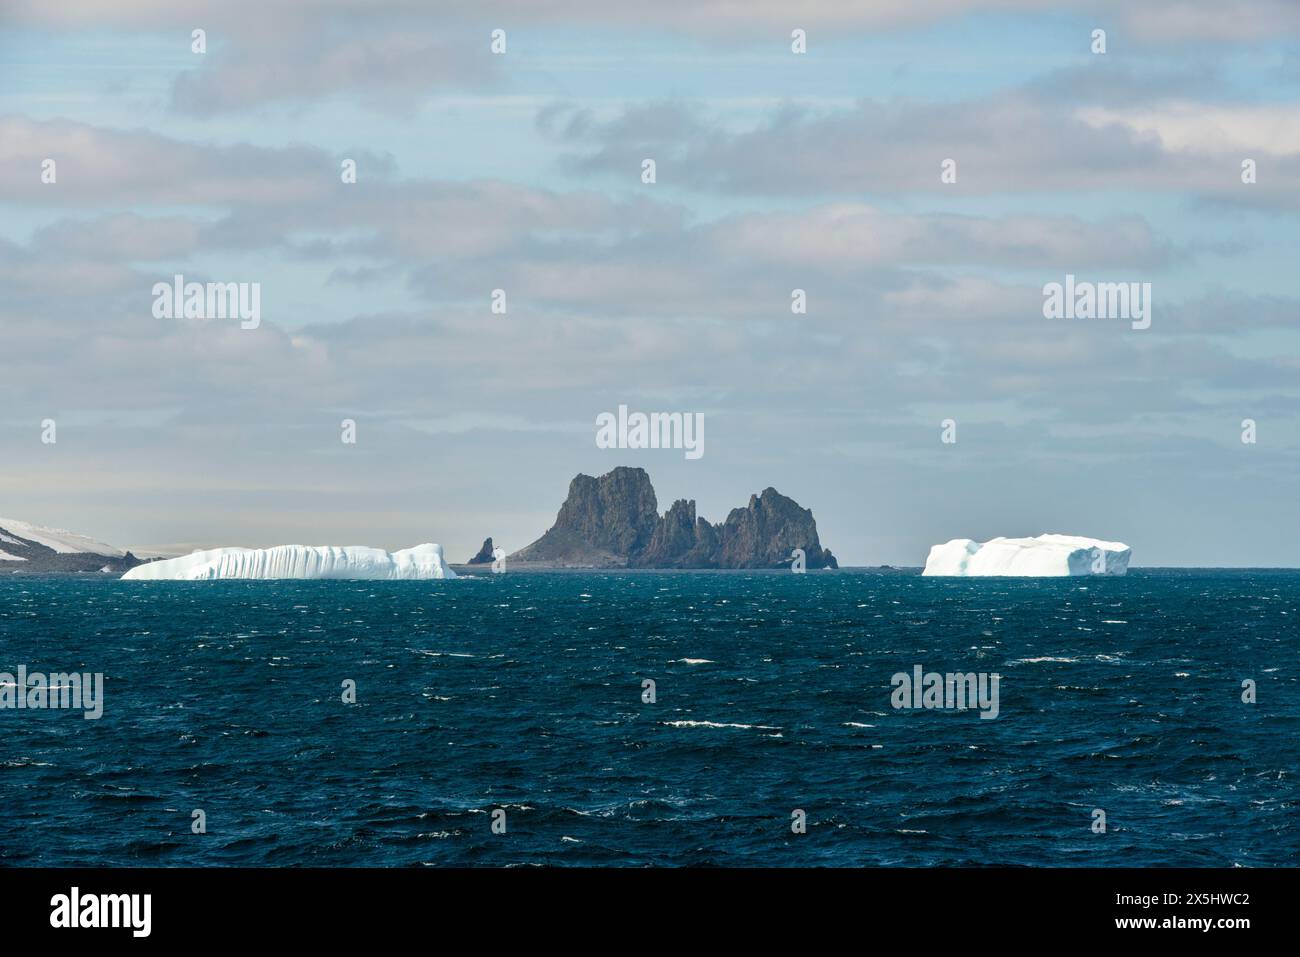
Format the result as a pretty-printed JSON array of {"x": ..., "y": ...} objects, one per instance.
[
  {"x": 1044, "y": 556},
  {"x": 347, "y": 562}
]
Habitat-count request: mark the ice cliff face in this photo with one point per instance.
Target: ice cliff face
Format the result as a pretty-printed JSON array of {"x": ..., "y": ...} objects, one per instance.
[
  {"x": 351, "y": 562},
  {"x": 1044, "y": 556}
]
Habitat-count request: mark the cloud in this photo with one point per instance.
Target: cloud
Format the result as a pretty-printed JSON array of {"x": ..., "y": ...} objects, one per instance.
[
  {"x": 388, "y": 54},
  {"x": 551, "y": 250},
  {"x": 1009, "y": 142},
  {"x": 387, "y": 69},
  {"x": 106, "y": 166},
  {"x": 1166, "y": 20},
  {"x": 924, "y": 299},
  {"x": 1183, "y": 127},
  {"x": 853, "y": 235}
]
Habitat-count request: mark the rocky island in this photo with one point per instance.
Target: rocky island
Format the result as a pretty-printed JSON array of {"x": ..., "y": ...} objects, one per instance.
[{"x": 613, "y": 521}]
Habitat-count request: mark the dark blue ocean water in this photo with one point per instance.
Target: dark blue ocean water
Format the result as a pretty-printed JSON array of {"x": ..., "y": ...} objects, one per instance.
[{"x": 523, "y": 692}]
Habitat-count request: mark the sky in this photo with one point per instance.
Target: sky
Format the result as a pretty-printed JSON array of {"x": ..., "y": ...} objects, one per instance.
[{"x": 522, "y": 171}]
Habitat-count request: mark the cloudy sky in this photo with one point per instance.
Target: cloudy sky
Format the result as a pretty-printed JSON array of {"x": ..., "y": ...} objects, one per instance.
[{"x": 774, "y": 171}]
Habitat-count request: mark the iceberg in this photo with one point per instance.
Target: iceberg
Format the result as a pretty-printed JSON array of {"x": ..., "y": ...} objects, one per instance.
[
  {"x": 1047, "y": 556},
  {"x": 346, "y": 562}
]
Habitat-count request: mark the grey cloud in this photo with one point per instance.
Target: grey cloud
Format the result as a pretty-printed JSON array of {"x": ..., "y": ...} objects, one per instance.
[
  {"x": 124, "y": 237},
  {"x": 389, "y": 54},
  {"x": 116, "y": 167},
  {"x": 563, "y": 249},
  {"x": 1008, "y": 142},
  {"x": 387, "y": 69},
  {"x": 1162, "y": 21}
]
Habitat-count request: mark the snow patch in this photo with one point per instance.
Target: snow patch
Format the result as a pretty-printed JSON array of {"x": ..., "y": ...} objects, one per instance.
[{"x": 58, "y": 539}]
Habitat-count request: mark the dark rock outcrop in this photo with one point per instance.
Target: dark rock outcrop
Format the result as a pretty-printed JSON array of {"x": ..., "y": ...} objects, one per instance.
[
  {"x": 613, "y": 522},
  {"x": 602, "y": 521},
  {"x": 616, "y": 511},
  {"x": 484, "y": 555},
  {"x": 680, "y": 540},
  {"x": 762, "y": 534}
]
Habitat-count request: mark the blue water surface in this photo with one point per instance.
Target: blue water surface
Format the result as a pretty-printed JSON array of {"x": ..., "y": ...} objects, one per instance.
[{"x": 524, "y": 691}]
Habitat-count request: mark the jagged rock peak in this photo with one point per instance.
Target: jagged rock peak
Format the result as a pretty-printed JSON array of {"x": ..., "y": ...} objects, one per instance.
[
  {"x": 484, "y": 555},
  {"x": 613, "y": 521}
]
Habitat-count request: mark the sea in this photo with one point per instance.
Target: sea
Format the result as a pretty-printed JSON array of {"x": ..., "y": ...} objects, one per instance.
[{"x": 657, "y": 719}]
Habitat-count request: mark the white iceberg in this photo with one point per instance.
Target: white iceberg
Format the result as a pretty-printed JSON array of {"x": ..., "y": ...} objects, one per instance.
[
  {"x": 1047, "y": 556},
  {"x": 347, "y": 562}
]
